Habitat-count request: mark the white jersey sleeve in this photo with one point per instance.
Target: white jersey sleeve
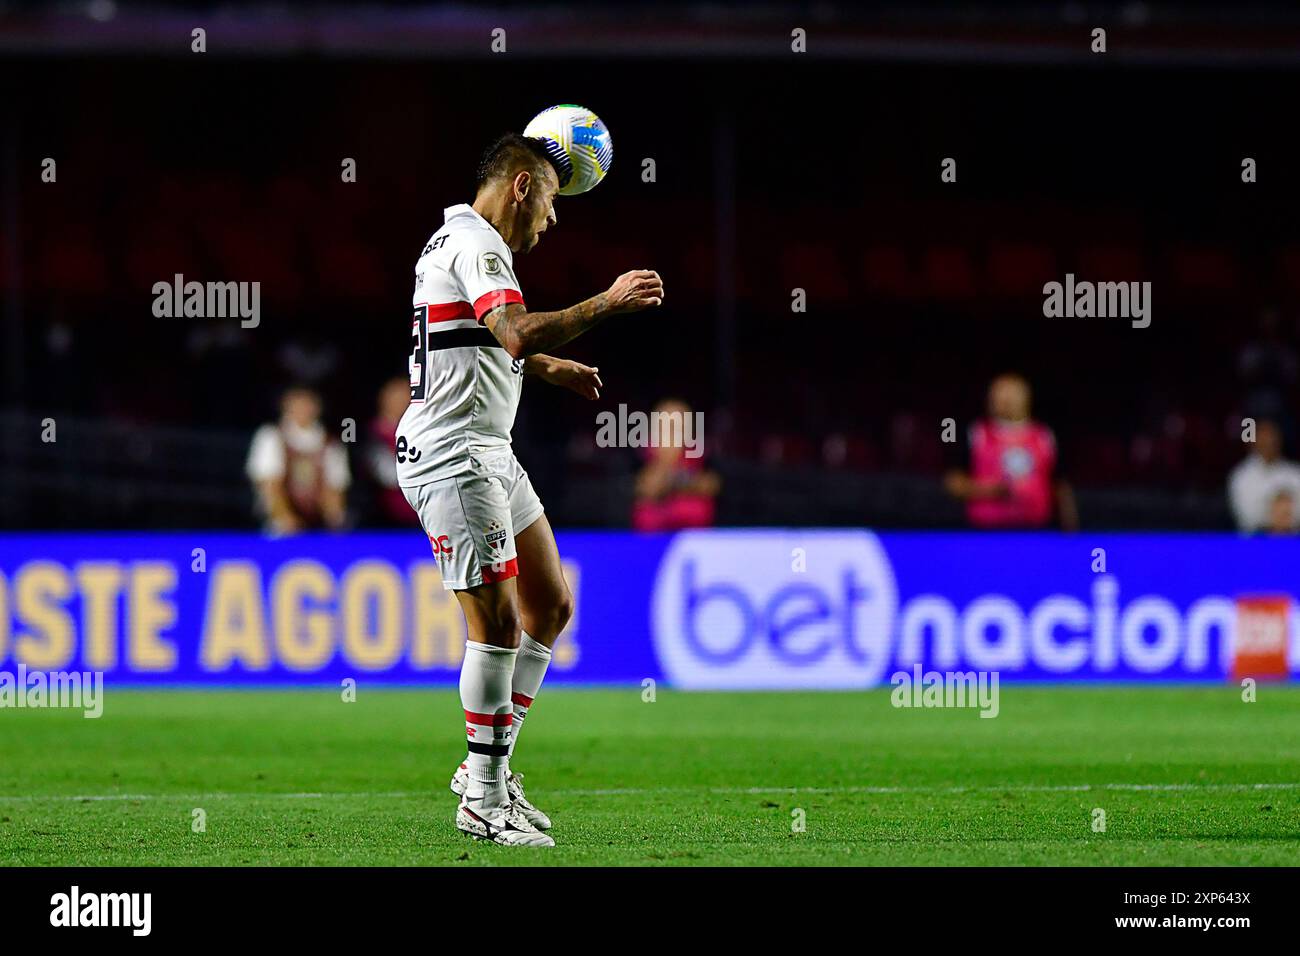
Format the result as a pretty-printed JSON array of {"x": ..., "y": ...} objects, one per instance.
[
  {"x": 482, "y": 265},
  {"x": 266, "y": 455}
]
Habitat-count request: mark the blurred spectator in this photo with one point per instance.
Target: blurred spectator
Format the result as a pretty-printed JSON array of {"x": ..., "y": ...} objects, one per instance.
[
  {"x": 673, "y": 491},
  {"x": 1008, "y": 476},
  {"x": 1282, "y": 514},
  {"x": 390, "y": 504},
  {"x": 1269, "y": 368},
  {"x": 1256, "y": 482},
  {"x": 299, "y": 474}
]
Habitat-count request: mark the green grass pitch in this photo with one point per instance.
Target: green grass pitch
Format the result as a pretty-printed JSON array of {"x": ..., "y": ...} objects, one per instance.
[{"x": 1185, "y": 776}]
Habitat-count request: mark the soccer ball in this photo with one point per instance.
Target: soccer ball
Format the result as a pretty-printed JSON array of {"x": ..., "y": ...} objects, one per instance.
[{"x": 578, "y": 143}]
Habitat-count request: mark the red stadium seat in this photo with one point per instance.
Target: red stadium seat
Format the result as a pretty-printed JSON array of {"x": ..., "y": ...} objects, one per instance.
[
  {"x": 848, "y": 452},
  {"x": 816, "y": 268},
  {"x": 1110, "y": 264},
  {"x": 948, "y": 273},
  {"x": 885, "y": 272},
  {"x": 1017, "y": 269},
  {"x": 157, "y": 252},
  {"x": 73, "y": 260},
  {"x": 1204, "y": 268}
]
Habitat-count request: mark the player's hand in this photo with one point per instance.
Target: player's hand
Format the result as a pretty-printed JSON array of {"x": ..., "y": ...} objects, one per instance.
[
  {"x": 995, "y": 488},
  {"x": 576, "y": 377},
  {"x": 634, "y": 291}
]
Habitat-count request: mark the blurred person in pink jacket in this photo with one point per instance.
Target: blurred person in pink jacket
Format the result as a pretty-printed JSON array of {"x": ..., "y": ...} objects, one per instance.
[
  {"x": 672, "y": 490},
  {"x": 1010, "y": 476}
]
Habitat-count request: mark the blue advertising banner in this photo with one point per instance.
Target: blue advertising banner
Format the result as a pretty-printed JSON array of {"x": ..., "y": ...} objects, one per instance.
[{"x": 727, "y": 609}]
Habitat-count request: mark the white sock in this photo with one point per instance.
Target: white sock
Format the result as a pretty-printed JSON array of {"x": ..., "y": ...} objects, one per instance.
[
  {"x": 530, "y": 668},
  {"x": 485, "y": 694}
]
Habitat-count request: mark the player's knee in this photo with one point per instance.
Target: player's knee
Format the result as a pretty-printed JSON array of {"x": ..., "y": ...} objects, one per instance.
[
  {"x": 563, "y": 611},
  {"x": 545, "y": 619},
  {"x": 504, "y": 628},
  {"x": 554, "y": 617},
  {"x": 499, "y": 622}
]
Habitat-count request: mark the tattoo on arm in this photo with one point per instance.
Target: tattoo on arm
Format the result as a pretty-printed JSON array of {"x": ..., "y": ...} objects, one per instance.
[{"x": 524, "y": 333}]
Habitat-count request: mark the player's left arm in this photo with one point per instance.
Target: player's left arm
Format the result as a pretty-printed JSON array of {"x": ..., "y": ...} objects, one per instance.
[{"x": 574, "y": 376}]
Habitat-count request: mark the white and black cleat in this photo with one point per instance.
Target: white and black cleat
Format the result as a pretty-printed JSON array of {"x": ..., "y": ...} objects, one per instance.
[
  {"x": 504, "y": 825},
  {"x": 514, "y": 787}
]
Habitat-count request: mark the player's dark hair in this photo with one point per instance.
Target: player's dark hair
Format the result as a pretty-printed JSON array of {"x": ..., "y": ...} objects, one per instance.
[{"x": 507, "y": 153}]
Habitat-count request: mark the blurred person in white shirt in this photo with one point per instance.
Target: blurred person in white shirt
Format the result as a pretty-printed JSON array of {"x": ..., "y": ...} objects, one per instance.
[
  {"x": 1256, "y": 482},
  {"x": 299, "y": 473},
  {"x": 1282, "y": 514}
]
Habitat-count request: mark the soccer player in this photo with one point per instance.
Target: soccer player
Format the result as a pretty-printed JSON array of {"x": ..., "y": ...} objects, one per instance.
[{"x": 473, "y": 340}]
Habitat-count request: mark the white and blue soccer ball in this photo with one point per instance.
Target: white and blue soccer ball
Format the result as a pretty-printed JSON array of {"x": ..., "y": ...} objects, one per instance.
[{"x": 578, "y": 144}]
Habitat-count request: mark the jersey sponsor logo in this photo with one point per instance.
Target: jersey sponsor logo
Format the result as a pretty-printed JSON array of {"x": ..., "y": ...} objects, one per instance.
[
  {"x": 406, "y": 451},
  {"x": 441, "y": 544}
]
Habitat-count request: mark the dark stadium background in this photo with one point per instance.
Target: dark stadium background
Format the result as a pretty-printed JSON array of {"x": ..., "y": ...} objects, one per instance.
[{"x": 773, "y": 172}]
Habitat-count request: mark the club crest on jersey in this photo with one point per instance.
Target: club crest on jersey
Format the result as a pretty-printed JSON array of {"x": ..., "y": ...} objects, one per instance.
[
  {"x": 491, "y": 263},
  {"x": 495, "y": 534}
]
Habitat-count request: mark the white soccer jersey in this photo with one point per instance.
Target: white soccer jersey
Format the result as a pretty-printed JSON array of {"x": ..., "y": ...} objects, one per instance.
[{"x": 464, "y": 386}]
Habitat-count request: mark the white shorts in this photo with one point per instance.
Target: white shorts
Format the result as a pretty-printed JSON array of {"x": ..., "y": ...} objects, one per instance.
[{"x": 472, "y": 518}]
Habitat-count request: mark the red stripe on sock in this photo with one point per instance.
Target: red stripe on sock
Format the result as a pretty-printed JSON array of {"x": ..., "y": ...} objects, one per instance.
[
  {"x": 521, "y": 700},
  {"x": 488, "y": 720}
]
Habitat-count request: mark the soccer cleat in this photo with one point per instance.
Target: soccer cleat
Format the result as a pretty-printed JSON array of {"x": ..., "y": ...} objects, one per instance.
[
  {"x": 504, "y": 825},
  {"x": 460, "y": 781},
  {"x": 515, "y": 787}
]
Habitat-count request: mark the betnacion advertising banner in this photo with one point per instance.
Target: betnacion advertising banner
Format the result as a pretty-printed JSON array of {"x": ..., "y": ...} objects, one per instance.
[{"x": 715, "y": 609}]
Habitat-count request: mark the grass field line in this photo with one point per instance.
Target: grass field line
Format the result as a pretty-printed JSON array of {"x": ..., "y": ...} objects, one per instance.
[{"x": 654, "y": 791}]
